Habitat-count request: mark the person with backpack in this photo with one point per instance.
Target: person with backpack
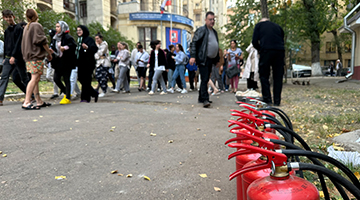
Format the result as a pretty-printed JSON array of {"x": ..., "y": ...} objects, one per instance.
[
  {"x": 158, "y": 63},
  {"x": 180, "y": 61}
]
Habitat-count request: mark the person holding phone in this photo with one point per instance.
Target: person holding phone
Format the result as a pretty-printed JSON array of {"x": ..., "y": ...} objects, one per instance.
[
  {"x": 234, "y": 57},
  {"x": 142, "y": 59}
]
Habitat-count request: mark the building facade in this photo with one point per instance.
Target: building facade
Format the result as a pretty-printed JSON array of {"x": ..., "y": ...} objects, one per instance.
[{"x": 86, "y": 11}]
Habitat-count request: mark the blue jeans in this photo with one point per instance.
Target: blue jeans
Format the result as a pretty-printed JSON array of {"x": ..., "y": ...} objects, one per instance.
[
  {"x": 179, "y": 70},
  {"x": 223, "y": 78}
]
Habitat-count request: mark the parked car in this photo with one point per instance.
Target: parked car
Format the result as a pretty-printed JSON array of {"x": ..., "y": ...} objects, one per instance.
[
  {"x": 300, "y": 71},
  {"x": 345, "y": 71},
  {"x": 325, "y": 70}
]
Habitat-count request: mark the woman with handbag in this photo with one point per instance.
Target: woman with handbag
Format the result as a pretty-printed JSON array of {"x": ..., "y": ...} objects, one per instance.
[
  {"x": 63, "y": 50},
  {"x": 86, "y": 63},
  {"x": 234, "y": 57},
  {"x": 123, "y": 58},
  {"x": 102, "y": 63}
]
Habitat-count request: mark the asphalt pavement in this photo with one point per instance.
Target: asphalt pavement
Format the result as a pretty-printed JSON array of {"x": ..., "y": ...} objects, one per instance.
[{"x": 86, "y": 142}]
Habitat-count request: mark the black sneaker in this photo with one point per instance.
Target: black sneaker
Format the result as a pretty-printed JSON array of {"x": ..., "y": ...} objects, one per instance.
[
  {"x": 206, "y": 104},
  {"x": 54, "y": 96}
]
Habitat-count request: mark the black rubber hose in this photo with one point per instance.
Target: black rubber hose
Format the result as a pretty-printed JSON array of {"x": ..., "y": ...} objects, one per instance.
[
  {"x": 332, "y": 175},
  {"x": 286, "y": 136},
  {"x": 326, "y": 158},
  {"x": 273, "y": 119},
  {"x": 282, "y": 115},
  {"x": 316, "y": 162},
  {"x": 277, "y": 110},
  {"x": 302, "y": 142}
]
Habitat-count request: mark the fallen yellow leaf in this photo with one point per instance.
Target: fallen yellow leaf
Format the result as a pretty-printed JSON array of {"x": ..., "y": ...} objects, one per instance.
[
  {"x": 114, "y": 172},
  {"x": 217, "y": 189},
  {"x": 129, "y": 175},
  {"x": 203, "y": 175},
  {"x": 120, "y": 174},
  {"x": 338, "y": 148},
  {"x": 0, "y": 152},
  {"x": 60, "y": 177},
  {"x": 113, "y": 127},
  {"x": 152, "y": 134},
  {"x": 171, "y": 141},
  {"x": 325, "y": 127},
  {"x": 35, "y": 120},
  {"x": 5, "y": 155},
  {"x": 111, "y": 130},
  {"x": 357, "y": 174},
  {"x": 147, "y": 178}
]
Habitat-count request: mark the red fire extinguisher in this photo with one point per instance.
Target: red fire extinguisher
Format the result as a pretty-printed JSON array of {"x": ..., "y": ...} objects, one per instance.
[
  {"x": 279, "y": 185},
  {"x": 241, "y": 160},
  {"x": 249, "y": 177}
]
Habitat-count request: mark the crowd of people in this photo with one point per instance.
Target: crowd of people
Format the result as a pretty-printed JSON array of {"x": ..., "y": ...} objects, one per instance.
[{"x": 27, "y": 50}]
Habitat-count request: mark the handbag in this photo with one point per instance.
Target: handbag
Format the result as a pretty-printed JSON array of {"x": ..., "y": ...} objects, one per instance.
[{"x": 232, "y": 71}]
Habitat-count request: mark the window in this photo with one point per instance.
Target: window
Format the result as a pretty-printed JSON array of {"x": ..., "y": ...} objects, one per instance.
[
  {"x": 347, "y": 48},
  {"x": 146, "y": 35},
  {"x": 197, "y": 17},
  {"x": 330, "y": 47},
  {"x": 83, "y": 10}
]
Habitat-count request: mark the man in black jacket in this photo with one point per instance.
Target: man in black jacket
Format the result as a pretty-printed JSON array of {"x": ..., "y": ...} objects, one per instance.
[
  {"x": 12, "y": 53},
  {"x": 268, "y": 39},
  {"x": 204, "y": 50}
]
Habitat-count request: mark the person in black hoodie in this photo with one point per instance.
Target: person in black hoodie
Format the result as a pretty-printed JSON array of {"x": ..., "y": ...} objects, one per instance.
[
  {"x": 86, "y": 63},
  {"x": 64, "y": 59},
  {"x": 157, "y": 62},
  {"x": 12, "y": 53},
  {"x": 268, "y": 39}
]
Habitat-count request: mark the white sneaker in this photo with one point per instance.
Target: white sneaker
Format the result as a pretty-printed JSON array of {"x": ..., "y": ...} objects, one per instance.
[
  {"x": 162, "y": 93},
  {"x": 184, "y": 91},
  {"x": 102, "y": 94},
  {"x": 115, "y": 91},
  {"x": 190, "y": 90},
  {"x": 170, "y": 90},
  {"x": 178, "y": 90},
  {"x": 151, "y": 93},
  {"x": 158, "y": 90},
  {"x": 147, "y": 89}
]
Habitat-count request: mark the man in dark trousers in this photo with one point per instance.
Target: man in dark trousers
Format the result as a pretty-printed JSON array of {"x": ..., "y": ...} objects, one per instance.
[
  {"x": 204, "y": 50},
  {"x": 12, "y": 53},
  {"x": 268, "y": 39}
]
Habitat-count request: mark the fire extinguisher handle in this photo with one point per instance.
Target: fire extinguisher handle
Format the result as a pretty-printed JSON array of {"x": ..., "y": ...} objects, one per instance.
[
  {"x": 244, "y": 136},
  {"x": 251, "y": 109},
  {"x": 247, "y": 116},
  {"x": 252, "y": 130},
  {"x": 272, "y": 157}
]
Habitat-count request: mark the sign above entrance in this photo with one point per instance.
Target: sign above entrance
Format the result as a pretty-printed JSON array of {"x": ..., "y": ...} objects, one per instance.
[{"x": 149, "y": 16}]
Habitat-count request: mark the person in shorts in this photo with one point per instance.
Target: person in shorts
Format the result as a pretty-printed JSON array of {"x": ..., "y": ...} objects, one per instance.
[
  {"x": 142, "y": 59},
  {"x": 34, "y": 48}
]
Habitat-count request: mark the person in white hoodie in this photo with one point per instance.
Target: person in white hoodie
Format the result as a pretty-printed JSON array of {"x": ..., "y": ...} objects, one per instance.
[{"x": 251, "y": 71}]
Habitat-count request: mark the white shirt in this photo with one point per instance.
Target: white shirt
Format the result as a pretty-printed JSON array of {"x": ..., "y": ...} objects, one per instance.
[
  {"x": 157, "y": 67},
  {"x": 143, "y": 57}
]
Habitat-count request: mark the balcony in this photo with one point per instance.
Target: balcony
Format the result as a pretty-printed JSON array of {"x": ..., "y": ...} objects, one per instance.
[
  {"x": 135, "y": 6},
  {"x": 70, "y": 6}
]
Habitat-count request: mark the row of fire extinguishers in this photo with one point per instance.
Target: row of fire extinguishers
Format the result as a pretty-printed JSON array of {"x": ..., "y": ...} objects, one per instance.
[{"x": 267, "y": 170}]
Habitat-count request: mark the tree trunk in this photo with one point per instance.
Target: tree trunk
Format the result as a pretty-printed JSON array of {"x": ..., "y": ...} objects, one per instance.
[
  {"x": 264, "y": 9},
  {"x": 315, "y": 59},
  {"x": 338, "y": 45}
]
